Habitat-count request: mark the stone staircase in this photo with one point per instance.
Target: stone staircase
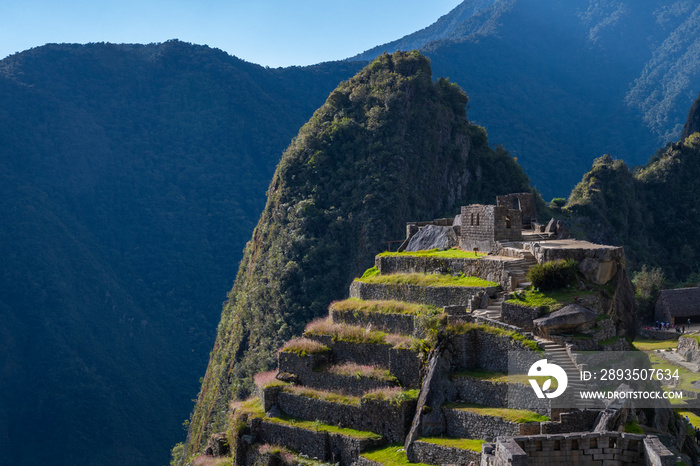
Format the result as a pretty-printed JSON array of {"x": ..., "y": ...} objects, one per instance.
[
  {"x": 518, "y": 271},
  {"x": 557, "y": 354}
]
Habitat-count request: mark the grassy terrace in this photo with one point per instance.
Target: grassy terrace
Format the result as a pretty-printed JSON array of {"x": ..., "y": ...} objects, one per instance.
[
  {"x": 427, "y": 279},
  {"x": 384, "y": 307},
  {"x": 253, "y": 408},
  {"x": 652, "y": 345},
  {"x": 393, "y": 395},
  {"x": 553, "y": 300},
  {"x": 503, "y": 377},
  {"x": 519, "y": 416},
  {"x": 461, "y": 443},
  {"x": 355, "y": 334},
  {"x": 304, "y": 347},
  {"x": 454, "y": 253},
  {"x": 470, "y": 327},
  {"x": 392, "y": 455}
]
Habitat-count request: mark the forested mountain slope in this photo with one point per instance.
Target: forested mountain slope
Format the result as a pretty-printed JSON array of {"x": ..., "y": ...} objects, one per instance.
[
  {"x": 560, "y": 82},
  {"x": 389, "y": 145},
  {"x": 651, "y": 210},
  {"x": 131, "y": 177}
]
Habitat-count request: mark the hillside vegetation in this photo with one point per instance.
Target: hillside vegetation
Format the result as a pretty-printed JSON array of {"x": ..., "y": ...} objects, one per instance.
[{"x": 387, "y": 146}]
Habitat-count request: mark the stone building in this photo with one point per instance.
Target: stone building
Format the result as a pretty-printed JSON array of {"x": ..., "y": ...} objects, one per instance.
[
  {"x": 677, "y": 306},
  {"x": 484, "y": 225},
  {"x": 524, "y": 202}
]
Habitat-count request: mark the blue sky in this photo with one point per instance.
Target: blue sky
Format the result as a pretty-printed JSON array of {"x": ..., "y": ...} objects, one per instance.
[{"x": 267, "y": 32}]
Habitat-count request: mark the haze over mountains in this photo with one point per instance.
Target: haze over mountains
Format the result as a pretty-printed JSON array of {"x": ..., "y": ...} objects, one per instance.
[{"x": 133, "y": 175}]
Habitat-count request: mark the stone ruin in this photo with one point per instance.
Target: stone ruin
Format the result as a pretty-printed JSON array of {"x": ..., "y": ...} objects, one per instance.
[{"x": 290, "y": 418}]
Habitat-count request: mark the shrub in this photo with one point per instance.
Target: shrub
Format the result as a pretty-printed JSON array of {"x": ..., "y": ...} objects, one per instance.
[
  {"x": 554, "y": 274},
  {"x": 371, "y": 272}
]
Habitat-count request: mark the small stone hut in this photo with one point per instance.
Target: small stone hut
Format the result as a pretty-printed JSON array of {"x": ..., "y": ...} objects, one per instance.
[
  {"x": 524, "y": 202},
  {"x": 677, "y": 306},
  {"x": 484, "y": 225}
]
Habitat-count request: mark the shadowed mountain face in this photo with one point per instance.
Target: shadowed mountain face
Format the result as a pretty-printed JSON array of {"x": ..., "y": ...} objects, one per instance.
[
  {"x": 130, "y": 178},
  {"x": 559, "y": 83},
  {"x": 387, "y": 146},
  {"x": 651, "y": 210}
]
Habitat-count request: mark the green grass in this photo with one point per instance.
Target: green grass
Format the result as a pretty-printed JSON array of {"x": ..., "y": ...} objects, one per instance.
[
  {"x": 502, "y": 377},
  {"x": 462, "y": 443},
  {"x": 453, "y": 253},
  {"x": 633, "y": 428},
  {"x": 321, "y": 427},
  {"x": 428, "y": 279},
  {"x": 686, "y": 377},
  {"x": 552, "y": 300},
  {"x": 393, "y": 455},
  {"x": 370, "y": 272},
  {"x": 304, "y": 347},
  {"x": 324, "y": 395},
  {"x": 694, "y": 418},
  {"x": 384, "y": 307},
  {"x": 356, "y": 334},
  {"x": 393, "y": 395},
  {"x": 519, "y": 416},
  {"x": 652, "y": 345},
  {"x": 351, "y": 369}
]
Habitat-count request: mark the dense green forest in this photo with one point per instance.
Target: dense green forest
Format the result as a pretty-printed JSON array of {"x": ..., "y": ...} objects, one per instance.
[
  {"x": 562, "y": 82},
  {"x": 388, "y": 145},
  {"x": 131, "y": 177}
]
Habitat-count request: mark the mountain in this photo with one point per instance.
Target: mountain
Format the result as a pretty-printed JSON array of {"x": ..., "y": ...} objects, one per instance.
[
  {"x": 651, "y": 210},
  {"x": 561, "y": 82},
  {"x": 131, "y": 177},
  {"x": 388, "y": 146}
]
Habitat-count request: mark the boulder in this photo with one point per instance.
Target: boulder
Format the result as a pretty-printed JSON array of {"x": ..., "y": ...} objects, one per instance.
[
  {"x": 597, "y": 271},
  {"x": 562, "y": 231},
  {"x": 217, "y": 446},
  {"x": 431, "y": 237},
  {"x": 571, "y": 317},
  {"x": 551, "y": 227}
]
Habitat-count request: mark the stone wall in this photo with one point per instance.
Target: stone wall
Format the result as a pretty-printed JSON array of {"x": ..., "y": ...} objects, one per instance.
[
  {"x": 525, "y": 202},
  {"x": 484, "y": 225},
  {"x": 438, "y": 296},
  {"x": 499, "y": 394},
  {"x": 584, "y": 448},
  {"x": 324, "y": 380},
  {"x": 688, "y": 348},
  {"x": 574, "y": 421},
  {"x": 392, "y": 420},
  {"x": 404, "y": 364},
  {"x": 486, "y": 268},
  {"x": 430, "y": 453},
  {"x": 325, "y": 446},
  {"x": 484, "y": 350},
  {"x": 391, "y": 323},
  {"x": 520, "y": 316},
  {"x": 465, "y": 424}
]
